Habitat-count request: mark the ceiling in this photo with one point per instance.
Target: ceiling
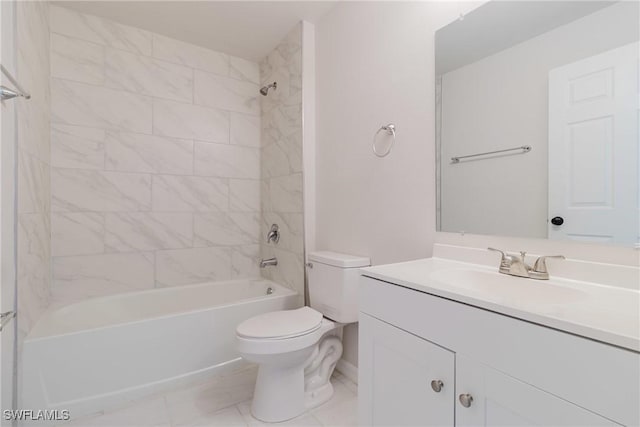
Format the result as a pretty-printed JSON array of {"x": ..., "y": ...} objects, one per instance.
[
  {"x": 498, "y": 25},
  {"x": 248, "y": 29}
]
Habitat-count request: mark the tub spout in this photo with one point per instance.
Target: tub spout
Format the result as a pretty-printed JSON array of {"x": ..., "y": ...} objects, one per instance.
[{"x": 266, "y": 262}]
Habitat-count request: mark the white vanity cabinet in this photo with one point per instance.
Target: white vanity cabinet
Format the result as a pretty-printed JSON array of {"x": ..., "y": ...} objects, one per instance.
[
  {"x": 501, "y": 400},
  {"x": 401, "y": 369},
  {"x": 508, "y": 371}
]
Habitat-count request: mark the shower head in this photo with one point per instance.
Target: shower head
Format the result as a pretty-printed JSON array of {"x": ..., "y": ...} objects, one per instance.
[{"x": 265, "y": 89}]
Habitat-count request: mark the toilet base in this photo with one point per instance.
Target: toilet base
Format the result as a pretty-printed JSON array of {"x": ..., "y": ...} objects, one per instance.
[
  {"x": 278, "y": 394},
  {"x": 315, "y": 398},
  {"x": 272, "y": 409},
  {"x": 299, "y": 382}
]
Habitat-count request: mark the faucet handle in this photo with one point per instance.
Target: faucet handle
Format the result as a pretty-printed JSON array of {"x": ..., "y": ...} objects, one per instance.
[
  {"x": 274, "y": 234},
  {"x": 506, "y": 259},
  {"x": 540, "y": 265},
  {"x": 504, "y": 255}
]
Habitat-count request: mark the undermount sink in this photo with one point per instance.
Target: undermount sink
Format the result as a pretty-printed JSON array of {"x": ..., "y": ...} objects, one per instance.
[{"x": 508, "y": 287}]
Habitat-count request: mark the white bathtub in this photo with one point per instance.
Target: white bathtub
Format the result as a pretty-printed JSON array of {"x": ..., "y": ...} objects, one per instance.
[{"x": 99, "y": 353}]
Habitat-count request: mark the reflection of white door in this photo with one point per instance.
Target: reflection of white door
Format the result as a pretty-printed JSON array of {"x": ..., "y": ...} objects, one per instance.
[{"x": 593, "y": 148}]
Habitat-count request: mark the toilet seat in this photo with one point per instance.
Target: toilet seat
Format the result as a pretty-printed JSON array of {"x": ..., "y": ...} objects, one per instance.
[
  {"x": 281, "y": 345},
  {"x": 282, "y": 324}
]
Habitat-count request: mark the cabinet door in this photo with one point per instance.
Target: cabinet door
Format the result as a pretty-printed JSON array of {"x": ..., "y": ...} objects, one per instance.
[
  {"x": 396, "y": 369},
  {"x": 501, "y": 400}
]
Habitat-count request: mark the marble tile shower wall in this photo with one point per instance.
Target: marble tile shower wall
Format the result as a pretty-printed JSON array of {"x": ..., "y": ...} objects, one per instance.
[
  {"x": 155, "y": 160},
  {"x": 33, "y": 182},
  {"x": 282, "y": 197}
]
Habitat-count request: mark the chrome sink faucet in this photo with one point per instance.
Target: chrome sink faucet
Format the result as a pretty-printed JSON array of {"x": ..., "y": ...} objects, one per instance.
[{"x": 515, "y": 265}]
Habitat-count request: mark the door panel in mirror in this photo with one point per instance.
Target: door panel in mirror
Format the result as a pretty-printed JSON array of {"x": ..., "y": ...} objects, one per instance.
[{"x": 494, "y": 78}]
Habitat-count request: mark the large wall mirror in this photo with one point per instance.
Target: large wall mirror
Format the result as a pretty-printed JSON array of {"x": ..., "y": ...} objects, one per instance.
[{"x": 537, "y": 121}]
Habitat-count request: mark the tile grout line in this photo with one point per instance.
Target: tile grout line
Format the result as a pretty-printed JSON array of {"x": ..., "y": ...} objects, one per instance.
[{"x": 153, "y": 97}]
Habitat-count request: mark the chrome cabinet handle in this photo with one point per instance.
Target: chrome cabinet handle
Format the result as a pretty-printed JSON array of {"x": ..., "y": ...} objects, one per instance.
[
  {"x": 437, "y": 385},
  {"x": 465, "y": 400}
]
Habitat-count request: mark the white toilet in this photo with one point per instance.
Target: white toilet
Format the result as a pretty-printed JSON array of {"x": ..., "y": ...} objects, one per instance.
[{"x": 297, "y": 350}]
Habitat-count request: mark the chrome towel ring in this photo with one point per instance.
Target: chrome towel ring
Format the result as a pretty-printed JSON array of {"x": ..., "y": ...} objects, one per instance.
[{"x": 391, "y": 130}]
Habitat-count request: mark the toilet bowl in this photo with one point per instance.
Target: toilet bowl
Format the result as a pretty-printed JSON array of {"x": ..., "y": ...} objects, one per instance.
[{"x": 297, "y": 350}]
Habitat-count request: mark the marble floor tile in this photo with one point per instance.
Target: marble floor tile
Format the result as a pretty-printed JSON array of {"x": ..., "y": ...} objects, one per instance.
[
  {"x": 341, "y": 410},
  {"x": 346, "y": 381},
  {"x": 228, "y": 417},
  {"x": 306, "y": 419},
  {"x": 214, "y": 403},
  {"x": 145, "y": 413},
  {"x": 188, "y": 406}
]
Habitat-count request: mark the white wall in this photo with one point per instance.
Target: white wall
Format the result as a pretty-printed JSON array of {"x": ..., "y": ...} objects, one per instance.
[
  {"x": 485, "y": 196},
  {"x": 375, "y": 65}
]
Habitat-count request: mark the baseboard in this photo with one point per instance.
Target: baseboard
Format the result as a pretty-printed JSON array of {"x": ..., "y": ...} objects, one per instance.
[{"x": 348, "y": 370}]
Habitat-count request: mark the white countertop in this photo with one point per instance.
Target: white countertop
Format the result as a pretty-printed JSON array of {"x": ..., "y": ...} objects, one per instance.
[{"x": 604, "y": 313}]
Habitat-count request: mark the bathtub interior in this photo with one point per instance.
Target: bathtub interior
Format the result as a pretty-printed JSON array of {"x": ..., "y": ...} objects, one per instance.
[
  {"x": 97, "y": 366},
  {"x": 143, "y": 305}
]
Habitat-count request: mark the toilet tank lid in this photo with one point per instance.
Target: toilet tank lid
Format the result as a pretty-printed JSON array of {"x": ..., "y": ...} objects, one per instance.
[{"x": 339, "y": 260}]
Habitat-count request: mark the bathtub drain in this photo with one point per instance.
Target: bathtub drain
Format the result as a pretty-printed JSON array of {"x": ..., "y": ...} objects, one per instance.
[{"x": 269, "y": 290}]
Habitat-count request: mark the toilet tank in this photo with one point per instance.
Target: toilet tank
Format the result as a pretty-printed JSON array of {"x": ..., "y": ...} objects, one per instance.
[{"x": 333, "y": 284}]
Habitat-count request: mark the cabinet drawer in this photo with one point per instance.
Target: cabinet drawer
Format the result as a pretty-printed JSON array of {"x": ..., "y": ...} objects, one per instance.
[{"x": 603, "y": 378}]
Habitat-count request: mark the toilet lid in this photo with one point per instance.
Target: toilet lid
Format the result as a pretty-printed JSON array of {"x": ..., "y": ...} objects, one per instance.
[{"x": 281, "y": 324}]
